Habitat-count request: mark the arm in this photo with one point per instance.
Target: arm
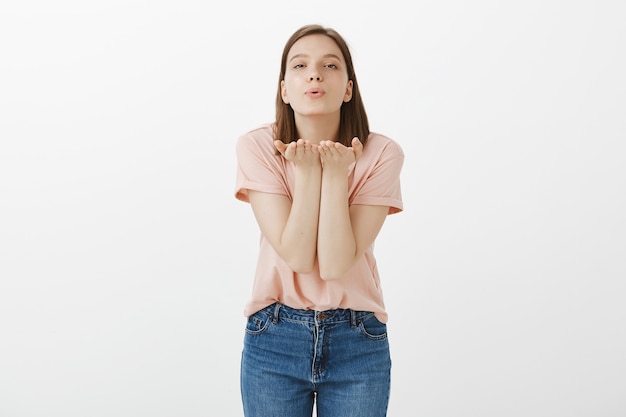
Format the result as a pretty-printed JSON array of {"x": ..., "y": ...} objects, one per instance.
[
  {"x": 291, "y": 226},
  {"x": 345, "y": 232}
]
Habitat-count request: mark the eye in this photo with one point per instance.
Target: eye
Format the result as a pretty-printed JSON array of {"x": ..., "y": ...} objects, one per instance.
[
  {"x": 298, "y": 66},
  {"x": 331, "y": 66}
]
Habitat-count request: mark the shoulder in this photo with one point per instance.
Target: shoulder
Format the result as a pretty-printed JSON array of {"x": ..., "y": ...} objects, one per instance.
[
  {"x": 261, "y": 137},
  {"x": 262, "y": 132},
  {"x": 379, "y": 144}
]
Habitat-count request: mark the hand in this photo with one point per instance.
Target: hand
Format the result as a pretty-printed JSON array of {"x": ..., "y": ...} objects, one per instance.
[
  {"x": 300, "y": 152},
  {"x": 335, "y": 155}
]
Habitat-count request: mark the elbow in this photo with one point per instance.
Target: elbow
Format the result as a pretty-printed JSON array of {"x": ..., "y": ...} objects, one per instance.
[
  {"x": 333, "y": 270},
  {"x": 331, "y": 274},
  {"x": 329, "y": 278},
  {"x": 299, "y": 262},
  {"x": 301, "y": 267},
  {"x": 302, "y": 270}
]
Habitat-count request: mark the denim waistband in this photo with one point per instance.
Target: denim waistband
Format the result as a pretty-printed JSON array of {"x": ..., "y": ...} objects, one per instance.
[{"x": 279, "y": 311}]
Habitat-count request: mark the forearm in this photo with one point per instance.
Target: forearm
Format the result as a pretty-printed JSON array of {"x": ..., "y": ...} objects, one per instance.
[
  {"x": 298, "y": 241},
  {"x": 336, "y": 244}
]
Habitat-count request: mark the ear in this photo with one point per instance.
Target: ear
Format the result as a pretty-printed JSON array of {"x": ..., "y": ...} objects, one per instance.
[
  {"x": 283, "y": 92},
  {"x": 348, "y": 96}
]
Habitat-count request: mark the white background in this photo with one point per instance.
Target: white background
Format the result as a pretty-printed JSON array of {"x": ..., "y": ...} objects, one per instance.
[{"x": 125, "y": 260}]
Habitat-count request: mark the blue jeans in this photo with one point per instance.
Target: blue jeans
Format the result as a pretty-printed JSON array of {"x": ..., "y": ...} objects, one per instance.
[{"x": 337, "y": 359}]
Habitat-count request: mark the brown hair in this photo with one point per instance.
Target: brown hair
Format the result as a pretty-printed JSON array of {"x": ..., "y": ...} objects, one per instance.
[{"x": 353, "y": 120}]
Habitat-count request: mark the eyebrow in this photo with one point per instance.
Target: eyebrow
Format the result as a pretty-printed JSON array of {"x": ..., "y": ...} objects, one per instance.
[{"x": 306, "y": 56}]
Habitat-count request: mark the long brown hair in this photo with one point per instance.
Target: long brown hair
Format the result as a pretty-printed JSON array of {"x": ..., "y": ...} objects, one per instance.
[{"x": 353, "y": 120}]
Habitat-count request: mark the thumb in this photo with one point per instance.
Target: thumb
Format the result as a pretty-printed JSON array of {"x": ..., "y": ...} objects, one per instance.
[
  {"x": 357, "y": 146},
  {"x": 280, "y": 146}
]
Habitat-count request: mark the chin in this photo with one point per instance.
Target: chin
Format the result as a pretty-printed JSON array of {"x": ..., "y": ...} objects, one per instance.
[{"x": 316, "y": 112}]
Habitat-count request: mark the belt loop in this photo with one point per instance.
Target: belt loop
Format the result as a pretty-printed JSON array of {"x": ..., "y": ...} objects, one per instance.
[
  {"x": 276, "y": 310},
  {"x": 352, "y": 318}
]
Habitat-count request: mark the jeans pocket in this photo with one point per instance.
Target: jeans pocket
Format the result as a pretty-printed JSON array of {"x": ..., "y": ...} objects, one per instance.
[
  {"x": 372, "y": 328},
  {"x": 257, "y": 323}
]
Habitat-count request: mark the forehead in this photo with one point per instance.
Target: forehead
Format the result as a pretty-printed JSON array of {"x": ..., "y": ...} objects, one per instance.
[{"x": 315, "y": 45}]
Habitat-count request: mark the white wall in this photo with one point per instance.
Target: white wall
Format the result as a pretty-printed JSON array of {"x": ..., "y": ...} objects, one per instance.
[{"x": 125, "y": 259}]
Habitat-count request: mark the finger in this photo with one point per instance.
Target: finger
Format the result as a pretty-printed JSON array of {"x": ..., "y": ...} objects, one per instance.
[
  {"x": 280, "y": 146},
  {"x": 307, "y": 147},
  {"x": 358, "y": 147},
  {"x": 303, "y": 146},
  {"x": 290, "y": 150}
]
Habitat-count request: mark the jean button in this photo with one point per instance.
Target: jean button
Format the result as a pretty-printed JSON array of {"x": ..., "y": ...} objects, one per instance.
[{"x": 321, "y": 315}]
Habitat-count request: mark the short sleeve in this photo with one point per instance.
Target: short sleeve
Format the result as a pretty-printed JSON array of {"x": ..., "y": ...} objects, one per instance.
[
  {"x": 258, "y": 167},
  {"x": 378, "y": 183}
]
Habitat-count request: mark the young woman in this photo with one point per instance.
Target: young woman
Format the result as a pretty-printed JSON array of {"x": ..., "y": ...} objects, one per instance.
[{"x": 320, "y": 185}]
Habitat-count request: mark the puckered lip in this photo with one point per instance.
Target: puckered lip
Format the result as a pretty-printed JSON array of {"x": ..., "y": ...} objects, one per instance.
[{"x": 315, "y": 92}]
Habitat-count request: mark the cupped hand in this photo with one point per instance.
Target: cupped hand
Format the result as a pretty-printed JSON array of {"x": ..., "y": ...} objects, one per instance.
[
  {"x": 301, "y": 152},
  {"x": 336, "y": 155}
]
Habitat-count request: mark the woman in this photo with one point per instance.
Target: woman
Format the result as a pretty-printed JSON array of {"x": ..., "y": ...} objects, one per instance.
[{"x": 320, "y": 185}]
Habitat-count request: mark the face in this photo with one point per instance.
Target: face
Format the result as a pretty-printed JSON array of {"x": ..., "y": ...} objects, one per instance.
[{"x": 316, "y": 78}]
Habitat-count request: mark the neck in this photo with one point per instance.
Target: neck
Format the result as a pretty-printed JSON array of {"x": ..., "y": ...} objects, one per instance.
[{"x": 318, "y": 128}]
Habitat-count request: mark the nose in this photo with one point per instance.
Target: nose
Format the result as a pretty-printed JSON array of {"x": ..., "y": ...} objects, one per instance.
[{"x": 315, "y": 77}]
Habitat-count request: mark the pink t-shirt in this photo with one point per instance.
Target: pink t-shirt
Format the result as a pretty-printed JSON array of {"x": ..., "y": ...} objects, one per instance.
[{"x": 374, "y": 180}]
